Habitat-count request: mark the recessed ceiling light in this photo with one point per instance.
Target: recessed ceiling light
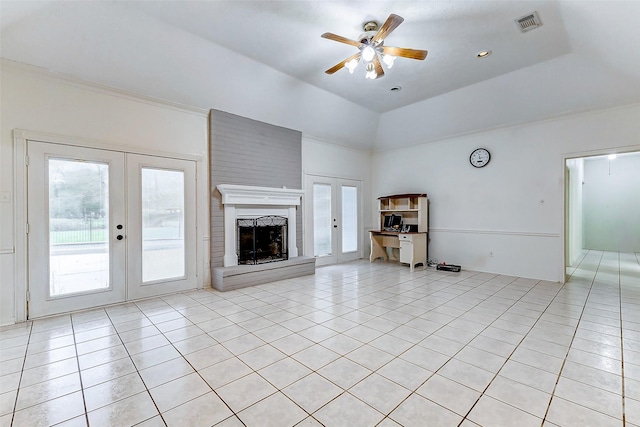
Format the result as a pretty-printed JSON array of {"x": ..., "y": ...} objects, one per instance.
[
  {"x": 396, "y": 89},
  {"x": 483, "y": 53}
]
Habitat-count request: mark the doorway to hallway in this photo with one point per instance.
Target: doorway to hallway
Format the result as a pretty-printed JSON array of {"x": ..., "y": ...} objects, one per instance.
[{"x": 602, "y": 204}]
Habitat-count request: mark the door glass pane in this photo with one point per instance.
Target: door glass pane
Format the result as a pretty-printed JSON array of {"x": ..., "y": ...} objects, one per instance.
[
  {"x": 163, "y": 253},
  {"x": 349, "y": 219},
  {"x": 78, "y": 226},
  {"x": 321, "y": 219}
]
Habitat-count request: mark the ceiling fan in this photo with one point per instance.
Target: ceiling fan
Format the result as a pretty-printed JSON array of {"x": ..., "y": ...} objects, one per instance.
[{"x": 371, "y": 47}]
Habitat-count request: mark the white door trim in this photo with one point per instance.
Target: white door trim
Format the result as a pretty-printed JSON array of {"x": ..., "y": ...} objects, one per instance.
[
  {"x": 20, "y": 226},
  {"x": 103, "y": 145}
]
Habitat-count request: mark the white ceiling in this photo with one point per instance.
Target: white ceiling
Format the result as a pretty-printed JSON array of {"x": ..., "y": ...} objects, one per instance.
[{"x": 584, "y": 57}]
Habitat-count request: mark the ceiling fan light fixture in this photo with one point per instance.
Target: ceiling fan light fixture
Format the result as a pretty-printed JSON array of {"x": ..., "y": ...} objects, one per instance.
[
  {"x": 368, "y": 53},
  {"x": 388, "y": 60},
  {"x": 371, "y": 72},
  {"x": 351, "y": 65}
]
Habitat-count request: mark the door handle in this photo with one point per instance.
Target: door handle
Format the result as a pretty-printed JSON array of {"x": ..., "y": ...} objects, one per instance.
[{"x": 119, "y": 237}]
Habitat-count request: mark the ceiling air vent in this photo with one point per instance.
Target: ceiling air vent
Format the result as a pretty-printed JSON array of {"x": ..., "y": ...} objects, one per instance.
[{"x": 529, "y": 22}]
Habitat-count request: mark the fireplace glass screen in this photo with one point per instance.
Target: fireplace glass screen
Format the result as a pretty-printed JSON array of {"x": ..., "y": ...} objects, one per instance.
[{"x": 262, "y": 240}]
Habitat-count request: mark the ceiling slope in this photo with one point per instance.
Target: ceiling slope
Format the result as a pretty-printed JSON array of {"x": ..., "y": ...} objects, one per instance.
[{"x": 266, "y": 60}]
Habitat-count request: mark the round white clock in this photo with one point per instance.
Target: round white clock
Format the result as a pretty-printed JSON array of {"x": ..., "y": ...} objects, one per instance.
[{"x": 479, "y": 157}]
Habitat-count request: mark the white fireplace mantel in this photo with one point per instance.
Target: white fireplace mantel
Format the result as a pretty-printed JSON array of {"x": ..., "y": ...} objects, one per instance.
[{"x": 244, "y": 201}]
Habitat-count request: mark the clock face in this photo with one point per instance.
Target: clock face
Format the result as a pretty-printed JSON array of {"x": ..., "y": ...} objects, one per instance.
[{"x": 479, "y": 157}]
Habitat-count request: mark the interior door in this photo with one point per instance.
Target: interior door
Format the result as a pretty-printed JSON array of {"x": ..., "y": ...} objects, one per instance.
[
  {"x": 333, "y": 224},
  {"x": 107, "y": 227},
  {"x": 76, "y": 211}
]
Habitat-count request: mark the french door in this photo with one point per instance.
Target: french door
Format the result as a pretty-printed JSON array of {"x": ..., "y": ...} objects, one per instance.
[
  {"x": 333, "y": 225},
  {"x": 106, "y": 226}
]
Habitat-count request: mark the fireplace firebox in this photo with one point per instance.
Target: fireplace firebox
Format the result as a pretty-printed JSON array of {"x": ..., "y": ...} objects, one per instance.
[{"x": 262, "y": 240}]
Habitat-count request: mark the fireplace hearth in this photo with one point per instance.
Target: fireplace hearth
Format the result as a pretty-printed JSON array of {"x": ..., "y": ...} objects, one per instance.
[{"x": 262, "y": 240}]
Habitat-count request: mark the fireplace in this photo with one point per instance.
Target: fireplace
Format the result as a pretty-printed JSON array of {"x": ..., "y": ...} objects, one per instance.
[
  {"x": 247, "y": 203},
  {"x": 262, "y": 239},
  {"x": 259, "y": 229}
]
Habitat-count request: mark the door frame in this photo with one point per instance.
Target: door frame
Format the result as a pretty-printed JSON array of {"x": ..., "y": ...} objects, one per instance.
[
  {"x": 308, "y": 214},
  {"x": 566, "y": 223},
  {"x": 20, "y": 162}
]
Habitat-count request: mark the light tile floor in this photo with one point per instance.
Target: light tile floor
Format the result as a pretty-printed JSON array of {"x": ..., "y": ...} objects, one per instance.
[{"x": 357, "y": 344}]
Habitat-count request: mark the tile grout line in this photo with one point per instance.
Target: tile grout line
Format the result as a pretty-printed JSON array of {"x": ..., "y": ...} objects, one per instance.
[
  {"x": 624, "y": 418},
  {"x": 75, "y": 347},
  {"x": 586, "y": 301},
  {"x": 24, "y": 362}
]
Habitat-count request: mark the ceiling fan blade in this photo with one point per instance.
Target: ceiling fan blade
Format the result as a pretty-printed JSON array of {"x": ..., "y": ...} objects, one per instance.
[
  {"x": 389, "y": 25},
  {"x": 340, "y": 39},
  {"x": 342, "y": 63},
  {"x": 378, "y": 67},
  {"x": 404, "y": 52}
]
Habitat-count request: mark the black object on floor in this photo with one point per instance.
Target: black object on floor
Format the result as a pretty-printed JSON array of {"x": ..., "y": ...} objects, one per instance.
[{"x": 448, "y": 267}]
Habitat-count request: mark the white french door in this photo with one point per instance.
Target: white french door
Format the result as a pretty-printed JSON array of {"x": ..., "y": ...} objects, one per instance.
[
  {"x": 333, "y": 221},
  {"x": 106, "y": 226},
  {"x": 162, "y": 225}
]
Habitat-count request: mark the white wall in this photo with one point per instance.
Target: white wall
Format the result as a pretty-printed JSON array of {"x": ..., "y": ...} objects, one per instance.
[
  {"x": 326, "y": 159},
  {"x": 36, "y": 101},
  {"x": 512, "y": 208},
  {"x": 611, "y": 203},
  {"x": 574, "y": 244}
]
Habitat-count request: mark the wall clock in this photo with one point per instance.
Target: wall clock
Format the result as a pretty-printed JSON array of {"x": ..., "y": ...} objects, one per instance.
[{"x": 479, "y": 157}]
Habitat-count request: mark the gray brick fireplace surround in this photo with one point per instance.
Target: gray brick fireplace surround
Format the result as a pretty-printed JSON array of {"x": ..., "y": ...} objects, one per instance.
[{"x": 247, "y": 152}]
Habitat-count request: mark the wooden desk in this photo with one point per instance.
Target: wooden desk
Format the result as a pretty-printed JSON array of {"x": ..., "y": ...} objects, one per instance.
[{"x": 412, "y": 247}]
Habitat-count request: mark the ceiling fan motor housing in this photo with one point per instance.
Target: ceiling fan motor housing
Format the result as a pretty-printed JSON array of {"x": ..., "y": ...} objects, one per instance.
[
  {"x": 370, "y": 26},
  {"x": 365, "y": 38},
  {"x": 370, "y": 29}
]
